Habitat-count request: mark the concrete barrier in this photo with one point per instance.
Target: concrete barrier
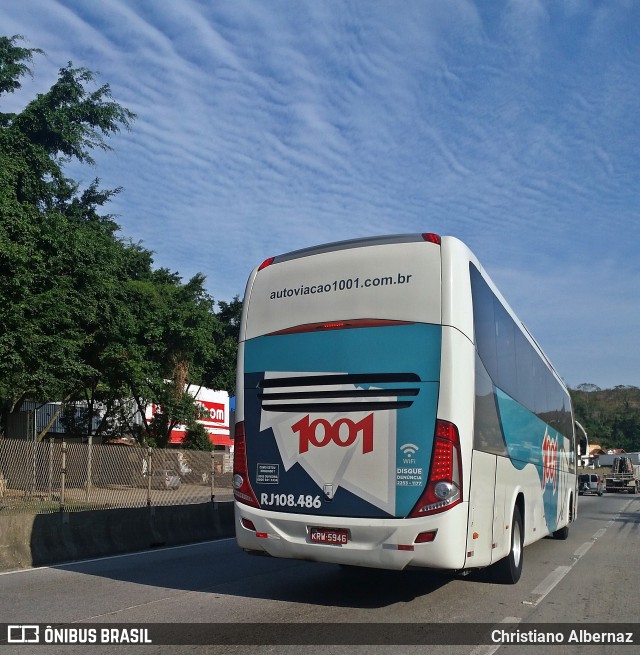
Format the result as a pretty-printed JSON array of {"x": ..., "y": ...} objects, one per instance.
[{"x": 38, "y": 539}]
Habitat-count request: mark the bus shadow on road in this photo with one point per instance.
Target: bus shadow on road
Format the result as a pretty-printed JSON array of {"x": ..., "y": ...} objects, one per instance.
[
  {"x": 335, "y": 586},
  {"x": 233, "y": 573}
]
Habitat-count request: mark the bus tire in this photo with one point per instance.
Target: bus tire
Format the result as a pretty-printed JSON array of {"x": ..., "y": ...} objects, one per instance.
[{"x": 509, "y": 569}]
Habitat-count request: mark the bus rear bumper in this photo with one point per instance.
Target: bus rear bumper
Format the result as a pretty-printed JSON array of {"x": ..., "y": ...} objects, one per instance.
[{"x": 377, "y": 543}]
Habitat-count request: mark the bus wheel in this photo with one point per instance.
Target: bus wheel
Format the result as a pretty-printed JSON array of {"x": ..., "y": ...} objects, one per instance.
[{"x": 509, "y": 569}]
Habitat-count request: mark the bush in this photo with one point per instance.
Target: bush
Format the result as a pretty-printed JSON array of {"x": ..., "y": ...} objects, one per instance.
[{"x": 197, "y": 438}]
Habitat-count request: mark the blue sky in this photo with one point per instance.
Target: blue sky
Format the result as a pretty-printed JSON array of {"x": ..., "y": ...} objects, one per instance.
[{"x": 265, "y": 127}]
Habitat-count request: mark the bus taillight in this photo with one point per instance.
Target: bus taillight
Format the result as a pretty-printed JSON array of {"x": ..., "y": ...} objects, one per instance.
[
  {"x": 444, "y": 487},
  {"x": 242, "y": 490}
]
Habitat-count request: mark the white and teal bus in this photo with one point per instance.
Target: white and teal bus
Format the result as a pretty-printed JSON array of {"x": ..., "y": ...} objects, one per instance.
[{"x": 393, "y": 412}]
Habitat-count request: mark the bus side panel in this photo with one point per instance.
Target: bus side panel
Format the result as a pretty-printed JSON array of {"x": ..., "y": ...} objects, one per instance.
[
  {"x": 508, "y": 481},
  {"x": 512, "y": 481},
  {"x": 482, "y": 509},
  {"x": 533, "y": 444},
  {"x": 457, "y": 393},
  {"x": 501, "y": 543}
]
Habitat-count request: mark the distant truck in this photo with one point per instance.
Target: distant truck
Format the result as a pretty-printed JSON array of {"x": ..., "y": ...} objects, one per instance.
[{"x": 624, "y": 476}]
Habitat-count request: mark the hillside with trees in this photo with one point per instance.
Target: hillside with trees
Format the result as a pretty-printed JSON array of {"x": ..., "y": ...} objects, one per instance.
[
  {"x": 611, "y": 417},
  {"x": 85, "y": 316}
]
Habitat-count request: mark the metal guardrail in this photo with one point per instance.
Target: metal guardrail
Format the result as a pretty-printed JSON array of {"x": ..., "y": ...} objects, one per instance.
[{"x": 51, "y": 477}]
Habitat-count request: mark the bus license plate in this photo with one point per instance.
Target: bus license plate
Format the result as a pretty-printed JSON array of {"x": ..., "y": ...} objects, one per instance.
[{"x": 328, "y": 536}]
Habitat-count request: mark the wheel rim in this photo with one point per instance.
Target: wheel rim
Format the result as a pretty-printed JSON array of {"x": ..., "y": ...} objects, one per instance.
[{"x": 517, "y": 545}]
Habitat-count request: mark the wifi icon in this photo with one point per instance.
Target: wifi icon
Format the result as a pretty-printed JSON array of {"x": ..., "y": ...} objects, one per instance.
[{"x": 409, "y": 449}]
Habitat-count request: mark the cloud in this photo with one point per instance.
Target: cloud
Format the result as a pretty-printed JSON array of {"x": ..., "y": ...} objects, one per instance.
[{"x": 268, "y": 127}]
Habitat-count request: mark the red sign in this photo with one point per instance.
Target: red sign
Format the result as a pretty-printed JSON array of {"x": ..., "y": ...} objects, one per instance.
[
  {"x": 215, "y": 405},
  {"x": 343, "y": 432},
  {"x": 215, "y": 413}
]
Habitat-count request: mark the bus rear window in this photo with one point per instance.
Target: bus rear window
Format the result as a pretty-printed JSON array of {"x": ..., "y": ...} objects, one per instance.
[{"x": 370, "y": 283}]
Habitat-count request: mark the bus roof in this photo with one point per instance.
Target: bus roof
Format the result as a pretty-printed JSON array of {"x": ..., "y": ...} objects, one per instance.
[{"x": 351, "y": 243}]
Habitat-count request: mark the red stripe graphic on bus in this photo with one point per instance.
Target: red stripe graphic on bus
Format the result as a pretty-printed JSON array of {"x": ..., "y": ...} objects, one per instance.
[{"x": 550, "y": 460}]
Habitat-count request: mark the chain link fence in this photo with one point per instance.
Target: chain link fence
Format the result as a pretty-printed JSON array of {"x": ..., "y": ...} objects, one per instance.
[{"x": 52, "y": 476}]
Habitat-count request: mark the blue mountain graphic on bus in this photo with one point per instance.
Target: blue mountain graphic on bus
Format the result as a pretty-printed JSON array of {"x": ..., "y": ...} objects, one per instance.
[
  {"x": 530, "y": 440},
  {"x": 313, "y": 447}
]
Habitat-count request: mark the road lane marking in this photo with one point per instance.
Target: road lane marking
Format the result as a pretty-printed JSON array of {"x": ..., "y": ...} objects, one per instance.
[
  {"x": 550, "y": 582},
  {"x": 560, "y": 572},
  {"x": 583, "y": 549}
]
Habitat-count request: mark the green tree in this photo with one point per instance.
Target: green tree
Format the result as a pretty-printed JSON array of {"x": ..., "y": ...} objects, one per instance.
[
  {"x": 221, "y": 371},
  {"x": 172, "y": 348},
  {"x": 13, "y": 63},
  {"x": 197, "y": 438},
  {"x": 50, "y": 232},
  {"x": 611, "y": 417},
  {"x": 85, "y": 316}
]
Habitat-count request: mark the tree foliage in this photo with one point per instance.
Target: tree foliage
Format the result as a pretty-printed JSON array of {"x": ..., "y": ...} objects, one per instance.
[
  {"x": 222, "y": 373},
  {"x": 84, "y": 314},
  {"x": 13, "y": 63},
  {"x": 197, "y": 438},
  {"x": 611, "y": 417}
]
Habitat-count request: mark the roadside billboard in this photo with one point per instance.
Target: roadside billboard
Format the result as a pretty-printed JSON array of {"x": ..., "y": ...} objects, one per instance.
[{"x": 216, "y": 421}]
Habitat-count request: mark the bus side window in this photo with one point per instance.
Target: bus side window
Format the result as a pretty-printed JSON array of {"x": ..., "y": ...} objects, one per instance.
[{"x": 487, "y": 434}]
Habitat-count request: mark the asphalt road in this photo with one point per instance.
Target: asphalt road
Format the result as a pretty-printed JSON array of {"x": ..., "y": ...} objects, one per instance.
[{"x": 588, "y": 579}]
